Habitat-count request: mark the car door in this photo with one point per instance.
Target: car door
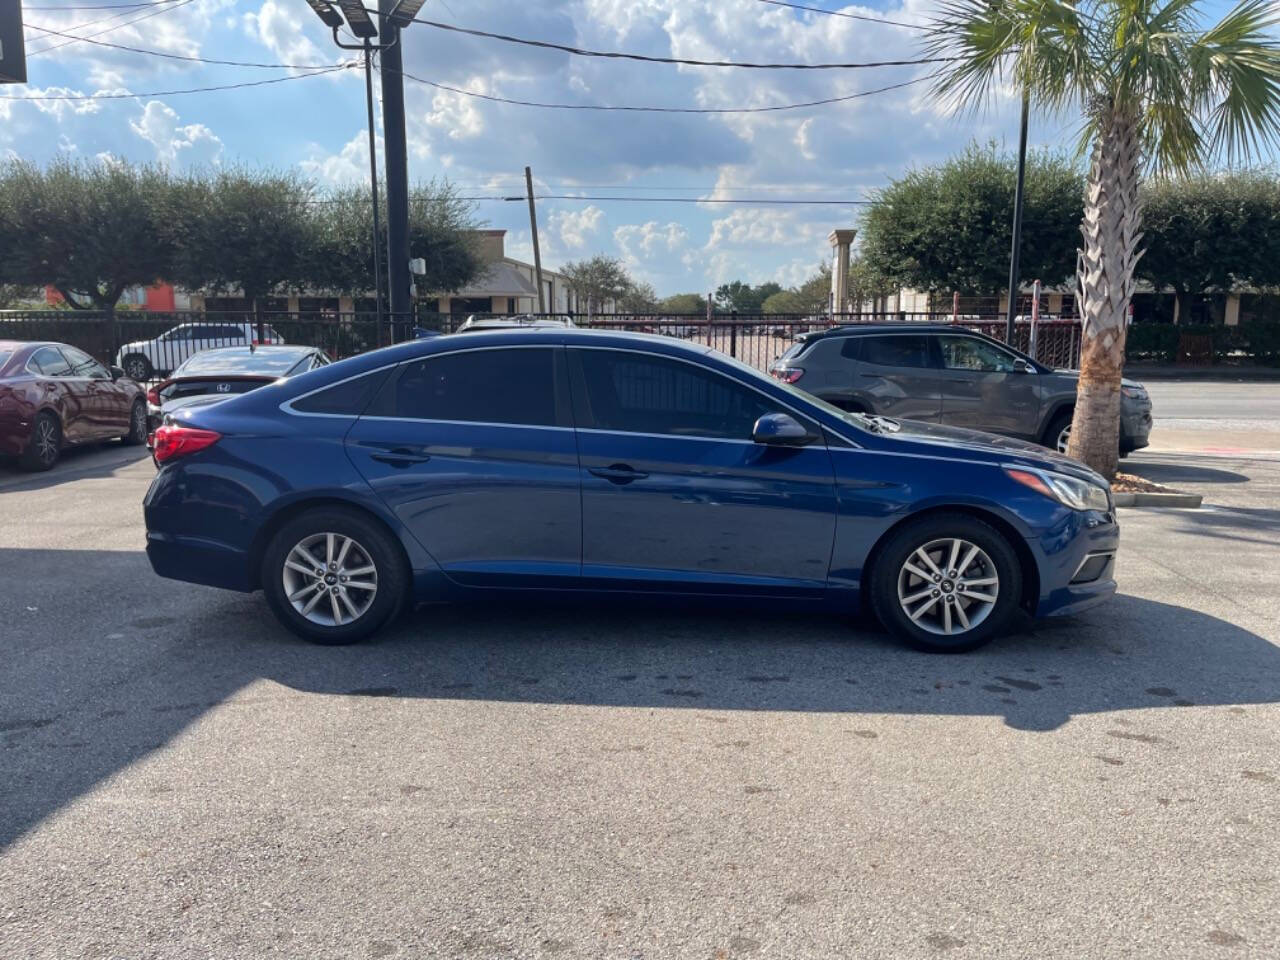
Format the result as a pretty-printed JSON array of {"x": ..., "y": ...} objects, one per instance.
[
  {"x": 110, "y": 403},
  {"x": 474, "y": 451},
  {"x": 676, "y": 495},
  {"x": 985, "y": 387},
  {"x": 897, "y": 373},
  {"x": 69, "y": 395}
]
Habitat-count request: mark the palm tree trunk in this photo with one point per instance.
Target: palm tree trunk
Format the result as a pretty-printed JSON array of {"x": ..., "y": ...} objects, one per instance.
[{"x": 1112, "y": 219}]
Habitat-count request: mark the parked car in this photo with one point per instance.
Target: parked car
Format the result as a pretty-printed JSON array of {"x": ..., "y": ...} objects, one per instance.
[
  {"x": 145, "y": 359},
  {"x": 581, "y": 460},
  {"x": 952, "y": 376},
  {"x": 53, "y": 395},
  {"x": 212, "y": 376}
]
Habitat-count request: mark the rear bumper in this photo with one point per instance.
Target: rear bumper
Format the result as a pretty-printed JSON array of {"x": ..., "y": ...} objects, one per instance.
[
  {"x": 1135, "y": 426},
  {"x": 198, "y": 560}
]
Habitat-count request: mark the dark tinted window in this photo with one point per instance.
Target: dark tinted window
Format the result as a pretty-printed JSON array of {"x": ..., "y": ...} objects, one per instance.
[
  {"x": 482, "y": 386},
  {"x": 635, "y": 393},
  {"x": 896, "y": 350},
  {"x": 851, "y": 348},
  {"x": 50, "y": 362},
  {"x": 349, "y": 398}
]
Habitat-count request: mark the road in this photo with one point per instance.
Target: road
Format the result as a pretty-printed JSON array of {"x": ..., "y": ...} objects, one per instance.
[
  {"x": 1215, "y": 416},
  {"x": 180, "y": 778}
]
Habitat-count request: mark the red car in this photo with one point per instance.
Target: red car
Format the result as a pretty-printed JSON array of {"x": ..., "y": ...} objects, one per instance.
[{"x": 53, "y": 395}]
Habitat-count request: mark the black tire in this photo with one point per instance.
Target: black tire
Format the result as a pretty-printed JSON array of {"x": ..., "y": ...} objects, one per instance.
[
  {"x": 1059, "y": 423},
  {"x": 44, "y": 446},
  {"x": 138, "y": 425},
  {"x": 391, "y": 575},
  {"x": 903, "y": 543},
  {"x": 137, "y": 367}
]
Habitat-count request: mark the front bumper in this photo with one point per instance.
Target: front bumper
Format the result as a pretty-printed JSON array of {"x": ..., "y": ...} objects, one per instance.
[{"x": 1073, "y": 576}]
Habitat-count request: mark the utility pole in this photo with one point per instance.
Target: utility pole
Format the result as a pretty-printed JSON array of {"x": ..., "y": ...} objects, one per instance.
[
  {"x": 533, "y": 226},
  {"x": 1017, "y": 221},
  {"x": 395, "y": 149},
  {"x": 373, "y": 181}
]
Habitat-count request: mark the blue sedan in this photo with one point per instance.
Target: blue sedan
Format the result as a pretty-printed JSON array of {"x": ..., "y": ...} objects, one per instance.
[{"x": 579, "y": 460}]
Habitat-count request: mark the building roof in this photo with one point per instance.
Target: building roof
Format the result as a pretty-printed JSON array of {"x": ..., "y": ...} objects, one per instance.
[{"x": 500, "y": 279}]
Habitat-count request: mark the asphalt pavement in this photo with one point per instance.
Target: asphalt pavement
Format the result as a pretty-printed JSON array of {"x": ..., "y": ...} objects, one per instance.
[{"x": 181, "y": 778}]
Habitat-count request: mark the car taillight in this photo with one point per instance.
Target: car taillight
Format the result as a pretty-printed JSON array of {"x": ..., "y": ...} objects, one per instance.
[
  {"x": 787, "y": 374},
  {"x": 173, "y": 441}
]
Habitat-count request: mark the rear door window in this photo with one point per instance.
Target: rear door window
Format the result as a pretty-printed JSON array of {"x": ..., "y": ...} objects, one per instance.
[
  {"x": 521, "y": 386},
  {"x": 897, "y": 350},
  {"x": 346, "y": 399},
  {"x": 50, "y": 362}
]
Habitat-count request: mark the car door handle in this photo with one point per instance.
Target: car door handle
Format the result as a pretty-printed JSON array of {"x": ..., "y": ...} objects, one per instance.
[
  {"x": 618, "y": 473},
  {"x": 401, "y": 456}
]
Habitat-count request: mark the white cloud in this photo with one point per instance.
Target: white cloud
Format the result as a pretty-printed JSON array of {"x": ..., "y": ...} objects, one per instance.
[
  {"x": 192, "y": 143},
  {"x": 276, "y": 27},
  {"x": 643, "y": 241},
  {"x": 574, "y": 226},
  {"x": 348, "y": 165}
]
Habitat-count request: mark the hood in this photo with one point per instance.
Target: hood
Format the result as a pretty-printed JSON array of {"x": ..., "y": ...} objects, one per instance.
[
  {"x": 1075, "y": 375},
  {"x": 991, "y": 444}
]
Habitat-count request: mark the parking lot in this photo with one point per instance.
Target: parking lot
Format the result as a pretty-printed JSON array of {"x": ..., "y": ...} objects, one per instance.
[{"x": 179, "y": 777}]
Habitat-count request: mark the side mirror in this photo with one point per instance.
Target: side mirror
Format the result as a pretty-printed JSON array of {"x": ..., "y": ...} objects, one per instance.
[
  {"x": 116, "y": 372},
  {"x": 781, "y": 430},
  {"x": 1021, "y": 366}
]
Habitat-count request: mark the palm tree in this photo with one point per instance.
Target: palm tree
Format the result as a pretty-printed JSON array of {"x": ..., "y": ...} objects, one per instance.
[{"x": 1158, "y": 93}]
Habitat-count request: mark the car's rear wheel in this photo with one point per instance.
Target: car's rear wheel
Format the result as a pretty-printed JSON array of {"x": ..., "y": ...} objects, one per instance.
[
  {"x": 44, "y": 446},
  {"x": 334, "y": 576},
  {"x": 137, "y": 424},
  {"x": 137, "y": 367},
  {"x": 946, "y": 583}
]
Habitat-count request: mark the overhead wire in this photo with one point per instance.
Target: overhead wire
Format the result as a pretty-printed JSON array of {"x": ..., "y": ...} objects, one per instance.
[
  {"x": 175, "y": 93},
  {"x": 847, "y": 16},
  {"x": 146, "y": 16}
]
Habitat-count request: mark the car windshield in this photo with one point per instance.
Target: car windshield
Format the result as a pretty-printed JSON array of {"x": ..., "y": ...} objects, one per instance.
[
  {"x": 274, "y": 363},
  {"x": 855, "y": 419}
]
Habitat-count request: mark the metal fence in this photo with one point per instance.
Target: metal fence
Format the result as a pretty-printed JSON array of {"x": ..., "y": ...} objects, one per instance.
[{"x": 150, "y": 345}]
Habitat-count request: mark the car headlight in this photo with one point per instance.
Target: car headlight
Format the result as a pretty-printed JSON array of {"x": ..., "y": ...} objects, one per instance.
[
  {"x": 1068, "y": 491},
  {"x": 1134, "y": 393}
]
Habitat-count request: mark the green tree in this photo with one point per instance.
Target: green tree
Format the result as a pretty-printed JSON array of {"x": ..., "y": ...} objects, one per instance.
[
  {"x": 1157, "y": 88},
  {"x": 683, "y": 303},
  {"x": 948, "y": 227},
  {"x": 339, "y": 258},
  {"x": 639, "y": 297},
  {"x": 252, "y": 230},
  {"x": 90, "y": 230},
  {"x": 1211, "y": 233},
  {"x": 597, "y": 281},
  {"x": 743, "y": 297}
]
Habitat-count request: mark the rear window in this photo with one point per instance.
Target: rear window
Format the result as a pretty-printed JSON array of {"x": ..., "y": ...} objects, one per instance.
[
  {"x": 794, "y": 350},
  {"x": 897, "y": 350},
  {"x": 268, "y": 362},
  {"x": 348, "y": 398},
  {"x": 4, "y": 356},
  {"x": 516, "y": 386}
]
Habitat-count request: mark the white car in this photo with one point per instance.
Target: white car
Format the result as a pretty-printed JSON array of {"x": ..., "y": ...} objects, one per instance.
[{"x": 146, "y": 359}]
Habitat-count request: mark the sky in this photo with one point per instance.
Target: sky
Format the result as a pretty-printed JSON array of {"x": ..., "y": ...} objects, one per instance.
[{"x": 317, "y": 122}]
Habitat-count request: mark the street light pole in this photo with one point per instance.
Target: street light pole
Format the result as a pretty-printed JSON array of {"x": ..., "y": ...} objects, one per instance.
[{"x": 1017, "y": 221}]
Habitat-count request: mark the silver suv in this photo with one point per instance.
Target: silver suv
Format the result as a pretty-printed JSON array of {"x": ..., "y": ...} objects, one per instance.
[{"x": 949, "y": 375}]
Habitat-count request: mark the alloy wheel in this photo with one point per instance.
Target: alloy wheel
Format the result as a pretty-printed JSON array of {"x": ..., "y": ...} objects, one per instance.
[
  {"x": 139, "y": 426},
  {"x": 948, "y": 586},
  {"x": 46, "y": 440},
  {"x": 330, "y": 579},
  {"x": 1064, "y": 436},
  {"x": 135, "y": 368}
]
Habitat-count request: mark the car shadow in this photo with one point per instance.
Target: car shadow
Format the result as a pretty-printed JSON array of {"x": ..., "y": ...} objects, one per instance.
[
  {"x": 76, "y": 463},
  {"x": 1176, "y": 473},
  {"x": 78, "y": 706}
]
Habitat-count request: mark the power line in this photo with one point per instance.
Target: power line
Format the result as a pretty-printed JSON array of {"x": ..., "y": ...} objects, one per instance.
[
  {"x": 702, "y": 110},
  {"x": 847, "y": 16},
  {"x": 178, "y": 56},
  {"x": 103, "y": 6},
  {"x": 175, "y": 93},
  {"x": 645, "y": 58},
  {"x": 146, "y": 16}
]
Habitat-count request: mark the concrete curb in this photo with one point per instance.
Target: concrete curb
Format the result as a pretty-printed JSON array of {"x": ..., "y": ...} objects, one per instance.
[{"x": 1188, "y": 500}]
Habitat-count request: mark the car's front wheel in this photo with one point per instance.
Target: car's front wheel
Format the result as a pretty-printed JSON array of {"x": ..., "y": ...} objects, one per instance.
[
  {"x": 137, "y": 367},
  {"x": 946, "y": 583},
  {"x": 334, "y": 576}
]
